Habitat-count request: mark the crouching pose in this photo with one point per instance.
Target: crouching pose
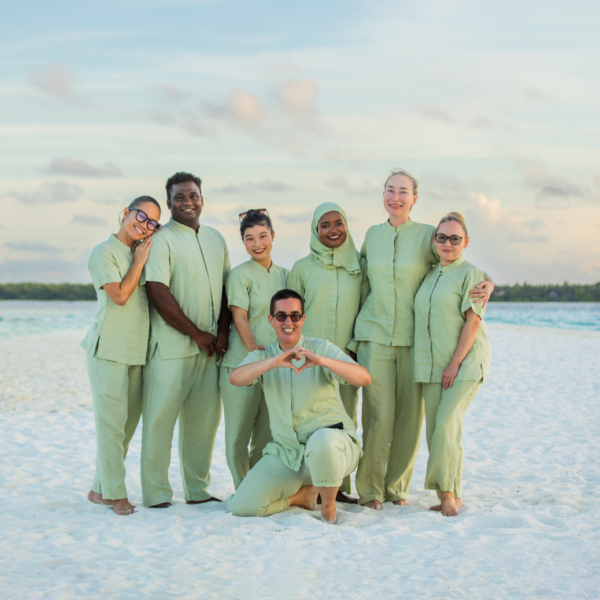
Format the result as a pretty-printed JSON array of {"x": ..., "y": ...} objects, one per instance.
[{"x": 314, "y": 440}]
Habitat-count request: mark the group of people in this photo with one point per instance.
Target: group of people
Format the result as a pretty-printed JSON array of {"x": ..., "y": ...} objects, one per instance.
[{"x": 179, "y": 335}]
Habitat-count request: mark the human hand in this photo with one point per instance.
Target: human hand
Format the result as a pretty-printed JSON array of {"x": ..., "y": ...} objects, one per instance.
[
  {"x": 222, "y": 343},
  {"x": 482, "y": 292},
  {"x": 258, "y": 347},
  {"x": 140, "y": 254},
  {"x": 285, "y": 360},
  {"x": 310, "y": 359},
  {"x": 449, "y": 375},
  {"x": 206, "y": 341}
]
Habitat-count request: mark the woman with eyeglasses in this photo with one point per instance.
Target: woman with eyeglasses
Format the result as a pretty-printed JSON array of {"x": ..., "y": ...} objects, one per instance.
[
  {"x": 116, "y": 346},
  {"x": 452, "y": 357},
  {"x": 250, "y": 287},
  {"x": 330, "y": 281},
  {"x": 398, "y": 254}
]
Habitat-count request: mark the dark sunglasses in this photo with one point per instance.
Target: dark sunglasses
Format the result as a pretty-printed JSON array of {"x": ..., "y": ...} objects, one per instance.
[
  {"x": 281, "y": 316},
  {"x": 441, "y": 238},
  {"x": 142, "y": 217},
  {"x": 247, "y": 213}
]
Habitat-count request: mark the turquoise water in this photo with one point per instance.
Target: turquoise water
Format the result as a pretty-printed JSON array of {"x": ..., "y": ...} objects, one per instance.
[{"x": 29, "y": 318}]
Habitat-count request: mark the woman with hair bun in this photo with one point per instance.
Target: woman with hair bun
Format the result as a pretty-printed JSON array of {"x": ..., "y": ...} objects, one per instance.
[
  {"x": 116, "y": 346},
  {"x": 250, "y": 287},
  {"x": 452, "y": 357},
  {"x": 398, "y": 254}
]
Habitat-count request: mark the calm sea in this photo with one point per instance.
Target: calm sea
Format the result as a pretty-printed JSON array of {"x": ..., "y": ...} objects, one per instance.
[{"x": 30, "y": 318}]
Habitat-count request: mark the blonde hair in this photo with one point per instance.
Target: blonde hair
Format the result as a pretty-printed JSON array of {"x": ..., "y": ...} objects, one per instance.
[
  {"x": 393, "y": 172},
  {"x": 457, "y": 218}
]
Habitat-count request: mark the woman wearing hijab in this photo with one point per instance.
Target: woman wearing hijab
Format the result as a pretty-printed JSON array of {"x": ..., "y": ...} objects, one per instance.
[
  {"x": 250, "y": 287},
  {"x": 116, "y": 346},
  {"x": 331, "y": 281}
]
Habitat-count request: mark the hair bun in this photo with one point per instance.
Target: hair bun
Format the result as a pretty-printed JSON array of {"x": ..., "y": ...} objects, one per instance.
[{"x": 457, "y": 215}]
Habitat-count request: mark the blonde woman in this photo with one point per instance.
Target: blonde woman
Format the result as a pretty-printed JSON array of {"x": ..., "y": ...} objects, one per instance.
[
  {"x": 452, "y": 357},
  {"x": 116, "y": 346},
  {"x": 398, "y": 255}
]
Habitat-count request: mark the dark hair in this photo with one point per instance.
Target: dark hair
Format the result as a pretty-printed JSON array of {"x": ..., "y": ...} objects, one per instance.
[
  {"x": 285, "y": 295},
  {"x": 142, "y": 200},
  {"x": 182, "y": 177},
  {"x": 255, "y": 218}
]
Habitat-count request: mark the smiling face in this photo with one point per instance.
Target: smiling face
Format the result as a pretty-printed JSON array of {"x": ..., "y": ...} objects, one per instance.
[
  {"x": 186, "y": 203},
  {"x": 258, "y": 241},
  {"x": 446, "y": 251},
  {"x": 332, "y": 229},
  {"x": 399, "y": 197},
  {"x": 288, "y": 332},
  {"x": 133, "y": 228}
]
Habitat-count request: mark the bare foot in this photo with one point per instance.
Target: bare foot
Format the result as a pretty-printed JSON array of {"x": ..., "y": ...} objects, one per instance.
[
  {"x": 98, "y": 499},
  {"x": 449, "y": 505},
  {"x": 374, "y": 504},
  {"x": 123, "y": 507},
  {"x": 341, "y": 497},
  {"x": 211, "y": 499},
  {"x": 161, "y": 505},
  {"x": 438, "y": 507},
  {"x": 401, "y": 502},
  {"x": 305, "y": 497}
]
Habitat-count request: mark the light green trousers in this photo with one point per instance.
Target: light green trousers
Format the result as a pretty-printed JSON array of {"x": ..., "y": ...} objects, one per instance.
[
  {"x": 330, "y": 455},
  {"x": 444, "y": 413},
  {"x": 392, "y": 420},
  {"x": 246, "y": 422},
  {"x": 117, "y": 396},
  {"x": 349, "y": 395},
  {"x": 187, "y": 388}
]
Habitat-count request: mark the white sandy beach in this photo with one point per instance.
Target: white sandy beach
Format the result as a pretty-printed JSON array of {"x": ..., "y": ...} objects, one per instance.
[{"x": 530, "y": 526}]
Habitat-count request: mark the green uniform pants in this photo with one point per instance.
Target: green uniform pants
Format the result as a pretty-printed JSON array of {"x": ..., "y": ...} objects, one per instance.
[
  {"x": 349, "y": 395},
  {"x": 392, "y": 420},
  {"x": 117, "y": 396},
  {"x": 330, "y": 455},
  {"x": 246, "y": 422},
  {"x": 444, "y": 413},
  {"x": 187, "y": 388}
]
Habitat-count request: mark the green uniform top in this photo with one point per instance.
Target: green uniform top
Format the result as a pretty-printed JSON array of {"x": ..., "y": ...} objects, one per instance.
[
  {"x": 398, "y": 258},
  {"x": 119, "y": 333},
  {"x": 440, "y": 307},
  {"x": 300, "y": 404},
  {"x": 331, "y": 299},
  {"x": 250, "y": 287},
  {"x": 194, "y": 266}
]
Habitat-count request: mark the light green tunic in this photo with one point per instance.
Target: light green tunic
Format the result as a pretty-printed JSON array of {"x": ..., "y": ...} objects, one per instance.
[
  {"x": 250, "y": 287},
  {"x": 398, "y": 258},
  {"x": 119, "y": 333},
  {"x": 440, "y": 307},
  {"x": 301, "y": 404},
  {"x": 194, "y": 266}
]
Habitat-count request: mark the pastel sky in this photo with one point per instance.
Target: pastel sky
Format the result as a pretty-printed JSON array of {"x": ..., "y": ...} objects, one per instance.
[{"x": 493, "y": 106}]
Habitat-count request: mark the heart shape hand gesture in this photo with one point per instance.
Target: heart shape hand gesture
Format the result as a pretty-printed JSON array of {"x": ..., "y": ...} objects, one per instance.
[{"x": 285, "y": 360}]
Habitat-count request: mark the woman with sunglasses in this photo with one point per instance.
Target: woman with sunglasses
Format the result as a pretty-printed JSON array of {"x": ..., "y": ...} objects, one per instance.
[
  {"x": 116, "y": 346},
  {"x": 250, "y": 287},
  {"x": 330, "y": 281},
  {"x": 398, "y": 254},
  {"x": 452, "y": 357}
]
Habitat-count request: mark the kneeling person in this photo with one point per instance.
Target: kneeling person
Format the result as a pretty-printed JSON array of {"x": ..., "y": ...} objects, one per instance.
[{"x": 315, "y": 444}]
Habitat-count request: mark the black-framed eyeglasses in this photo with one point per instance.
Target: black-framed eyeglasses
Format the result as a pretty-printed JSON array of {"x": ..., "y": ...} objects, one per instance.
[
  {"x": 441, "y": 238},
  {"x": 281, "y": 316},
  {"x": 247, "y": 213},
  {"x": 142, "y": 217}
]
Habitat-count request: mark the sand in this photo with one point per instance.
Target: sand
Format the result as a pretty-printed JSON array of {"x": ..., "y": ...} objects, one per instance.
[{"x": 530, "y": 526}]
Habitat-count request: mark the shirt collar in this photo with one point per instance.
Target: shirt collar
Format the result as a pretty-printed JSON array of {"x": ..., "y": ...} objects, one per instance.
[
  {"x": 393, "y": 229},
  {"x": 459, "y": 261},
  {"x": 254, "y": 264},
  {"x": 181, "y": 227},
  {"x": 300, "y": 343},
  {"x": 113, "y": 239}
]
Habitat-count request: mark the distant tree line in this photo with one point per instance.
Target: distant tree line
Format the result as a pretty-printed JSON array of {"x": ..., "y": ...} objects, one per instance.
[
  {"x": 503, "y": 293},
  {"x": 47, "y": 291},
  {"x": 567, "y": 292}
]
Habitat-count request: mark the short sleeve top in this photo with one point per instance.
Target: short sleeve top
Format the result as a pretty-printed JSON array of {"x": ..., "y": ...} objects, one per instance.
[
  {"x": 119, "y": 333},
  {"x": 440, "y": 307}
]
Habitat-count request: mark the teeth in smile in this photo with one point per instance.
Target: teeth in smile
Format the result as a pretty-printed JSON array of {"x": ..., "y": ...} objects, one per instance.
[
  {"x": 138, "y": 230},
  {"x": 288, "y": 330}
]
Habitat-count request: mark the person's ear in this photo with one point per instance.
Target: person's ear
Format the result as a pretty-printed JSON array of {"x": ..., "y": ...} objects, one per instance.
[
  {"x": 272, "y": 235},
  {"x": 466, "y": 242},
  {"x": 271, "y": 321},
  {"x": 169, "y": 205},
  {"x": 125, "y": 212},
  {"x": 201, "y": 200}
]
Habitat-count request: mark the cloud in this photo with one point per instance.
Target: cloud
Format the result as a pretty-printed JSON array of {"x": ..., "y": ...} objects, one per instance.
[
  {"x": 297, "y": 98},
  {"x": 88, "y": 220},
  {"x": 536, "y": 175},
  {"x": 56, "y": 82},
  {"x": 262, "y": 186},
  {"x": 339, "y": 183},
  {"x": 552, "y": 197},
  {"x": 49, "y": 192},
  {"x": 190, "y": 123},
  {"x": 81, "y": 168},
  {"x": 434, "y": 113},
  {"x": 480, "y": 122},
  {"x": 43, "y": 270},
  {"x": 32, "y": 247},
  {"x": 170, "y": 93},
  {"x": 242, "y": 108},
  {"x": 303, "y": 217}
]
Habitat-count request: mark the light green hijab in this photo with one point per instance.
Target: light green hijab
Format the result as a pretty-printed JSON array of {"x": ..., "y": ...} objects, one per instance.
[{"x": 346, "y": 256}]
